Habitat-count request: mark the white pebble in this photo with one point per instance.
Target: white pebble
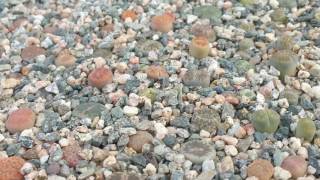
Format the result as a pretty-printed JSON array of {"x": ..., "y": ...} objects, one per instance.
[
  {"x": 281, "y": 174},
  {"x": 130, "y": 110},
  {"x": 230, "y": 150},
  {"x": 150, "y": 169},
  {"x": 161, "y": 130}
]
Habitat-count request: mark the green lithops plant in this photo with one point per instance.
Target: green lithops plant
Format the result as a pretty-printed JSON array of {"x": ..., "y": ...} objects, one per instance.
[
  {"x": 145, "y": 46},
  {"x": 286, "y": 62},
  {"x": 305, "y": 129},
  {"x": 247, "y": 26},
  {"x": 149, "y": 93},
  {"x": 279, "y": 15},
  {"x": 265, "y": 120},
  {"x": 246, "y": 44},
  {"x": 284, "y": 43},
  {"x": 208, "y": 12},
  {"x": 248, "y": 2}
]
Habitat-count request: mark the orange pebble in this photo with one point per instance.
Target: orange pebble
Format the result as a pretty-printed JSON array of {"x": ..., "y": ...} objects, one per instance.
[
  {"x": 100, "y": 77},
  {"x": 156, "y": 72}
]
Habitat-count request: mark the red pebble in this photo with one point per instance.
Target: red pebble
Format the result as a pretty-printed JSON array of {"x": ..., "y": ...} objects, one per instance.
[
  {"x": 70, "y": 154},
  {"x": 20, "y": 120},
  {"x": 100, "y": 77}
]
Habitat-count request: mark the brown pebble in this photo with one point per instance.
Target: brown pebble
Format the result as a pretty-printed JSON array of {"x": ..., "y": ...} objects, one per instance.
[
  {"x": 17, "y": 23},
  {"x": 107, "y": 28},
  {"x": 65, "y": 58},
  {"x": 156, "y": 72},
  {"x": 260, "y": 168},
  {"x": 25, "y": 70},
  {"x": 20, "y": 120},
  {"x": 31, "y": 52},
  {"x": 296, "y": 165},
  {"x": 137, "y": 141},
  {"x": 100, "y": 77}
]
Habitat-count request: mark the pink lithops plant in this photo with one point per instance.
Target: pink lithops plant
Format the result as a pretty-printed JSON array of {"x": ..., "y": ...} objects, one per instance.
[
  {"x": 163, "y": 23},
  {"x": 100, "y": 77},
  {"x": 10, "y": 168},
  {"x": 20, "y": 120}
]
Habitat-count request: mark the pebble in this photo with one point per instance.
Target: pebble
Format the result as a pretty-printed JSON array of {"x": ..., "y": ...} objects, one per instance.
[
  {"x": 130, "y": 110},
  {"x": 280, "y": 173},
  {"x": 196, "y": 78},
  {"x": 31, "y": 52},
  {"x": 65, "y": 58},
  {"x": 156, "y": 72},
  {"x": 198, "y": 151}
]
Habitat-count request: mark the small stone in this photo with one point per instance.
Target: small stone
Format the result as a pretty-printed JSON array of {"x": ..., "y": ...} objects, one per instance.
[
  {"x": 198, "y": 151},
  {"x": 31, "y": 52},
  {"x": 129, "y": 14},
  {"x": 20, "y": 120},
  {"x": 53, "y": 168},
  {"x": 231, "y": 150},
  {"x": 191, "y": 18},
  {"x": 196, "y": 78},
  {"x": 150, "y": 169},
  {"x": 137, "y": 141},
  {"x": 70, "y": 154},
  {"x": 10, "y": 168},
  {"x": 123, "y": 176},
  {"x": 130, "y": 110},
  {"x": 156, "y": 72},
  {"x": 260, "y": 168},
  {"x": 100, "y": 77},
  {"x": 208, "y": 165},
  {"x": 161, "y": 130},
  {"x": 296, "y": 165},
  {"x": 65, "y": 58},
  {"x": 282, "y": 174},
  {"x": 227, "y": 165}
]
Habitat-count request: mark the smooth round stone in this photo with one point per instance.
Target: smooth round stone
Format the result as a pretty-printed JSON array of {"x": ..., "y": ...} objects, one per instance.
[
  {"x": 260, "y": 168},
  {"x": 10, "y": 168},
  {"x": 156, "y": 72},
  {"x": 197, "y": 151},
  {"x": 31, "y": 52},
  {"x": 296, "y": 165},
  {"x": 65, "y": 58},
  {"x": 137, "y": 141},
  {"x": 20, "y": 120},
  {"x": 100, "y": 77}
]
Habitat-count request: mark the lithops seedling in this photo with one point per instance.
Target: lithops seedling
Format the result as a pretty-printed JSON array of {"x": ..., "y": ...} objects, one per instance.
[
  {"x": 291, "y": 95},
  {"x": 124, "y": 176},
  {"x": 163, "y": 23},
  {"x": 265, "y": 120},
  {"x": 279, "y": 15},
  {"x": 204, "y": 30},
  {"x": 150, "y": 93},
  {"x": 145, "y": 46},
  {"x": 246, "y": 44},
  {"x": 247, "y": 26},
  {"x": 286, "y": 62},
  {"x": 283, "y": 43},
  {"x": 208, "y": 12},
  {"x": 199, "y": 47},
  {"x": 197, "y": 151},
  {"x": 206, "y": 119},
  {"x": 305, "y": 129}
]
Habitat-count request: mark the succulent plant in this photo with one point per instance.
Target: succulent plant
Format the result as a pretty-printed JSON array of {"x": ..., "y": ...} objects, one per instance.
[
  {"x": 199, "y": 47},
  {"x": 163, "y": 23},
  {"x": 247, "y": 26},
  {"x": 247, "y": 2},
  {"x": 149, "y": 93},
  {"x": 305, "y": 129},
  {"x": 265, "y": 120},
  {"x": 279, "y": 15},
  {"x": 291, "y": 95},
  {"x": 286, "y": 62},
  {"x": 208, "y": 12},
  {"x": 197, "y": 151},
  {"x": 245, "y": 44},
  {"x": 205, "y": 30},
  {"x": 284, "y": 43},
  {"x": 287, "y": 3},
  {"x": 145, "y": 46},
  {"x": 129, "y": 14}
]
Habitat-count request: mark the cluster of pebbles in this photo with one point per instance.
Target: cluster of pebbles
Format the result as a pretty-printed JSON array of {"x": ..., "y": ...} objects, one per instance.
[{"x": 159, "y": 89}]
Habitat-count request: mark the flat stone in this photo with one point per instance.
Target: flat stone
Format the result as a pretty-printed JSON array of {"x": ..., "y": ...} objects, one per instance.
[
  {"x": 137, "y": 141},
  {"x": 196, "y": 78},
  {"x": 31, "y": 52},
  {"x": 88, "y": 110},
  {"x": 206, "y": 119},
  {"x": 197, "y": 151}
]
